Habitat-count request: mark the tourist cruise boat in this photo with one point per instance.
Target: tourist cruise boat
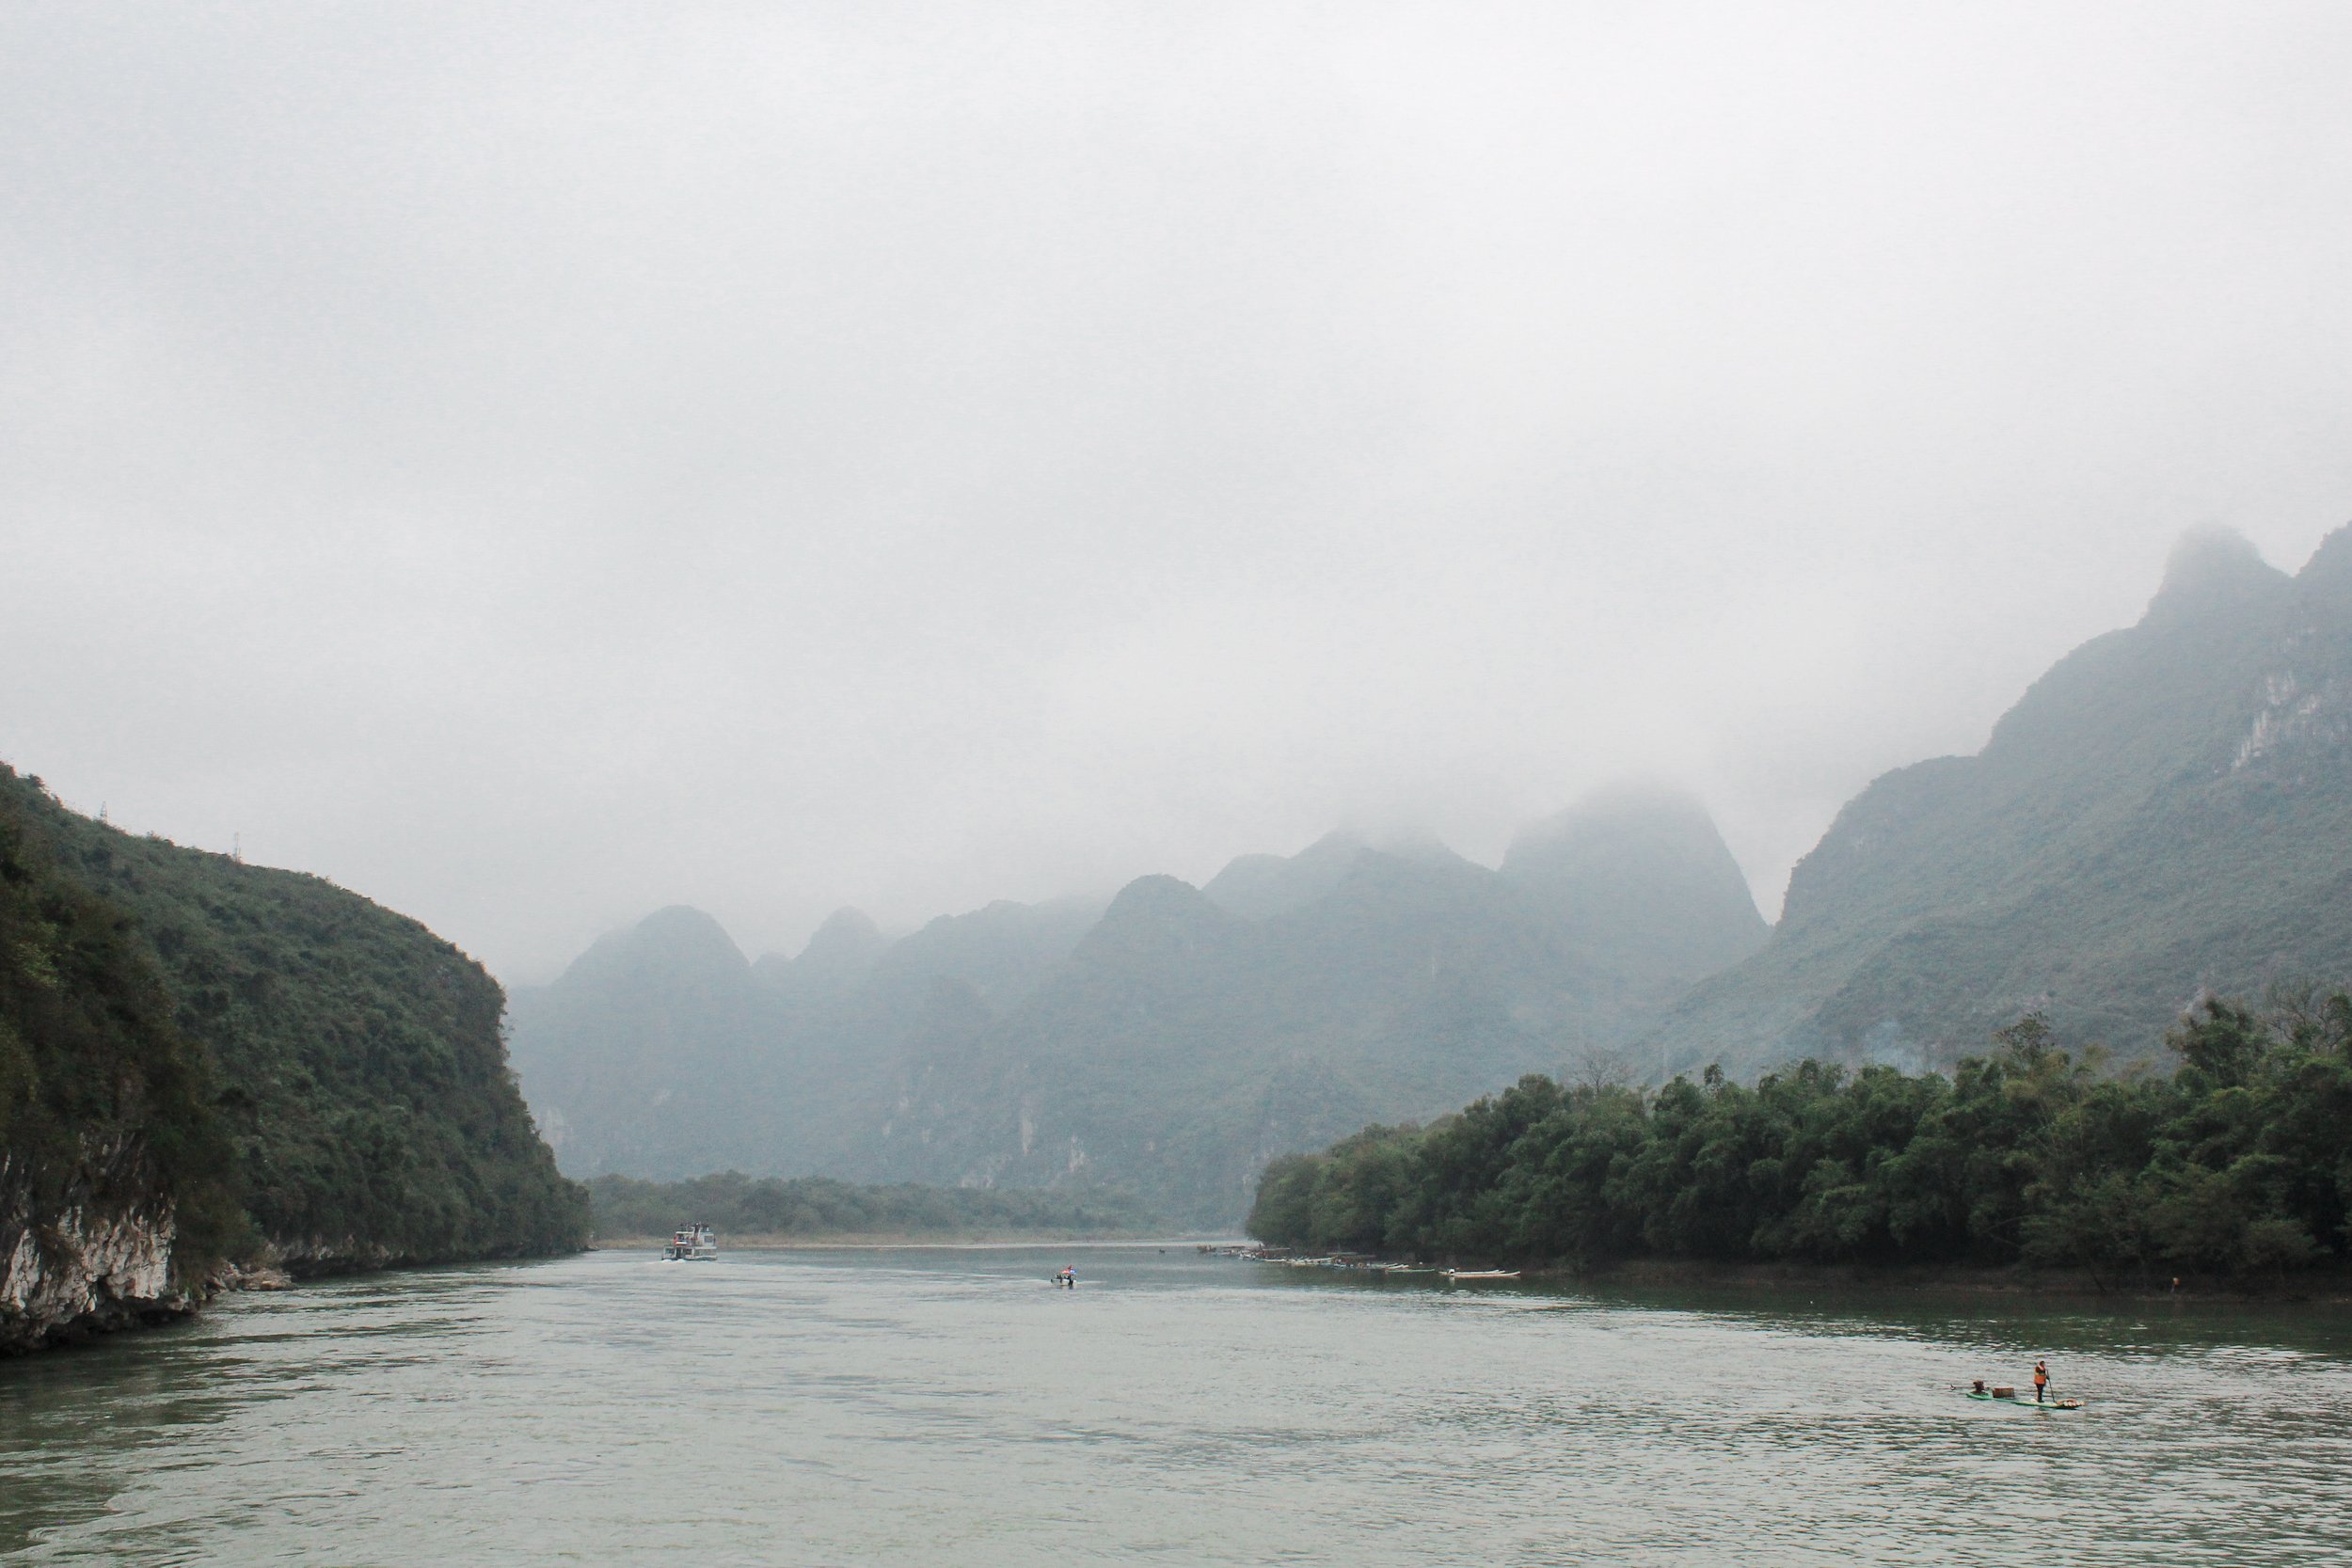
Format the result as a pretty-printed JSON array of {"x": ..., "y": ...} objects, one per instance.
[{"x": 695, "y": 1244}]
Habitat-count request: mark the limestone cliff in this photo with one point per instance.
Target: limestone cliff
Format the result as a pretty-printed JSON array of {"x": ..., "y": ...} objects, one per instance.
[{"x": 70, "y": 1275}]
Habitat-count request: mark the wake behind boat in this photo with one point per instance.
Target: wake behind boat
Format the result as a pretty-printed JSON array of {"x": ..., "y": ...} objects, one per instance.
[{"x": 694, "y": 1243}]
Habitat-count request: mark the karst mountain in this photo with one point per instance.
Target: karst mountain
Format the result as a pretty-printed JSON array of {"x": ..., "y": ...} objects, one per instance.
[
  {"x": 2167, "y": 813},
  {"x": 1170, "y": 1041}
]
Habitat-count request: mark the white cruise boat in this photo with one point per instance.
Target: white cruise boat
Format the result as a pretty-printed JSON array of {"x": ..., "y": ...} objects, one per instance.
[{"x": 695, "y": 1244}]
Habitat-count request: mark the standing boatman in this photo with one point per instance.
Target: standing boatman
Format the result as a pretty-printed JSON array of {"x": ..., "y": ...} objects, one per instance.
[{"x": 2041, "y": 1379}]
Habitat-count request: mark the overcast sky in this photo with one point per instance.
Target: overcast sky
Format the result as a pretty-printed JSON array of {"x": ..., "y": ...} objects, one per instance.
[{"x": 538, "y": 464}]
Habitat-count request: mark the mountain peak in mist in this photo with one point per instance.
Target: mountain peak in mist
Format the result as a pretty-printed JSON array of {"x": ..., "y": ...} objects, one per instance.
[
  {"x": 1637, "y": 872},
  {"x": 1257, "y": 887},
  {"x": 1155, "y": 913},
  {"x": 1419, "y": 847},
  {"x": 2213, "y": 570},
  {"x": 838, "y": 958},
  {"x": 675, "y": 945},
  {"x": 2329, "y": 569}
]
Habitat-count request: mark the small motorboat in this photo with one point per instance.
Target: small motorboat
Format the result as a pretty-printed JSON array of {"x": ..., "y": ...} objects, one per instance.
[
  {"x": 694, "y": 1243},
  {"x": 1481, "y": 1273}
]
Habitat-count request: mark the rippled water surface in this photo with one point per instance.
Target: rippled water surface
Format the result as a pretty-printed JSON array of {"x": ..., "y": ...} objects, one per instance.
[{"x": 947, "y": 1406}]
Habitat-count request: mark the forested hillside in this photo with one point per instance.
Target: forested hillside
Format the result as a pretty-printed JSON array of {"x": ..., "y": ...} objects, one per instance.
[
  {"x": 1169, "y": 1043},
  {"x": 2168, "y": 810},
  {"x": 118, "y": 1196},
  {"x": 354, "y": 1060},
  {"x": 2237, "y": 1161}
]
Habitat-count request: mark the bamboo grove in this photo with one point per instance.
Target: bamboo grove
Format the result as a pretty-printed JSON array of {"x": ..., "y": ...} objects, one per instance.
[{"x": 2236, "y": 1161}]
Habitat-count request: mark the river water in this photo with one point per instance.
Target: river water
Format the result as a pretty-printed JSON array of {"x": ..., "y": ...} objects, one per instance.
[{"x": 947, "y": 1406}]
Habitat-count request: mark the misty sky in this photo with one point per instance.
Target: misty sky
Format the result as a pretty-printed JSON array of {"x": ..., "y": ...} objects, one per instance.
[{"x": 538, "y": 464}]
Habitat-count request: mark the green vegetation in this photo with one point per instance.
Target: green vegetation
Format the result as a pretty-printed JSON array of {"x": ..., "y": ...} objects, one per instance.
[
  {"x": 736, "y": 1205},
  {"x": 354, "y": 1061},
  {"x": 2238, "y": 1162},
  {"x": 105, "y": 1108}
]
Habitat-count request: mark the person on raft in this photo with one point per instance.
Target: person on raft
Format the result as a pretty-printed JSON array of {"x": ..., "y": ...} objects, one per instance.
[
  {"x": 1978, "y": 1389},
  {"x": 2041, "y": 1379}
]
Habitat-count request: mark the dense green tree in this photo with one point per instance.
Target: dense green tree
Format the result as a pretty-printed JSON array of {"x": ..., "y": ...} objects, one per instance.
[{"x": 2239, "y": 1163}]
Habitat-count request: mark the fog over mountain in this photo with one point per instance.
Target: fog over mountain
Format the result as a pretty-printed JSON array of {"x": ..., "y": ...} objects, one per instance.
[
  {"x": 537, "y": 464},
  {"x": 2167, "y": 813},
  {"x": 2162, "y": 816},
  {"x": 1169, "y": 1043}
]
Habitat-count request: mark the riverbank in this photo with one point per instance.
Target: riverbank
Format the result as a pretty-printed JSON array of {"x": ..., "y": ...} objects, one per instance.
[
  {"x": 2329, "y": 1286},
  {"x": 902, "y": 1239}
]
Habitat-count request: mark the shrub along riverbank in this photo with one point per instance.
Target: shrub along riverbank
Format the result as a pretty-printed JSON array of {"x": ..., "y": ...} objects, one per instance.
[
  {"x": 2237, "y": 1163},
  {"x": 814, "y": 1207}
]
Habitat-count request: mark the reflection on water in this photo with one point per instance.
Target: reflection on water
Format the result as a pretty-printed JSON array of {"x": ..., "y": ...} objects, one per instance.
[{"x": 928, "y": 1405}]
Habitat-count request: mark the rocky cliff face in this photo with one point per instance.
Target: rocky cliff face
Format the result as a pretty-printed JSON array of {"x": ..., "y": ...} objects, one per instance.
[
  {"x": 90, "y": 1269},
  {"x": 81, "y": 1272}
]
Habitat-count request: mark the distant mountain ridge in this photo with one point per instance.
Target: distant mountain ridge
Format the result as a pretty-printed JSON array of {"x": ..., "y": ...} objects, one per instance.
[
  {"x": 1171, "y": 1041},
  {"x": 662, "y": 1053},
  {"x": 1180, "y": 1046},
  {"x": 2169, "y": 810}
]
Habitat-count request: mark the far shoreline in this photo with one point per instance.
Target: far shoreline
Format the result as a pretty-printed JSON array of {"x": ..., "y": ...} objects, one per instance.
[
  {"x": 879, "y": 1240},
  {"x": 2322, "y": 1288},
  {"x": 2326, "y": 1286}
]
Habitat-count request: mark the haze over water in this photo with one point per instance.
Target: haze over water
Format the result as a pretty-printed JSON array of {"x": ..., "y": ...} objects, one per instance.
[{"x": 935, "y": 1405}]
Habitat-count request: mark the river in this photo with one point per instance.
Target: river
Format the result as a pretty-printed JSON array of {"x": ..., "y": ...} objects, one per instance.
[{"x": 947, "y": 1406}]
